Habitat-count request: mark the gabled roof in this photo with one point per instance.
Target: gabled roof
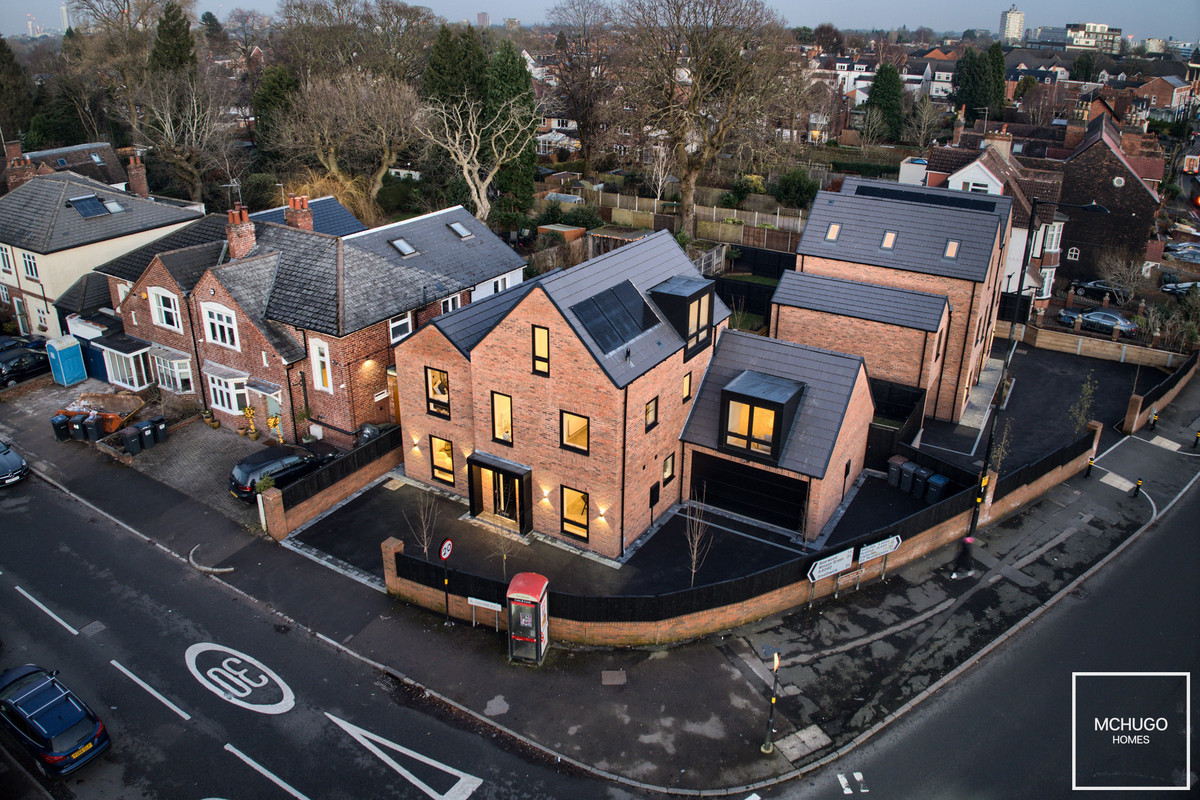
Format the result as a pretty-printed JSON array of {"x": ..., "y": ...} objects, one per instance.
[
  {"x": 38, "y": 216},
  {"x": 1103, "y": 130},
  {"x": 95, "y": 160},
  {"x": 329, "y": 216},
  {"x": 188, "y": 264},
  {"x": 249, "y": 283},
  {"x": 902, "y": 307},
  {"x": 468, "y": 326},
  {"x": 829, "y": 380},
  {"x": 88, "y": 293},
  {"x": 923, "y": 220},
  {"x": 129, "y": 267}
]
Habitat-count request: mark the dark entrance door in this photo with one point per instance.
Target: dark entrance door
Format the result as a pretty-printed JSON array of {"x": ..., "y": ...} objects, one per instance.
[
  {"x": 748, "y": 491},
  {"x": 504, "y": 489}
]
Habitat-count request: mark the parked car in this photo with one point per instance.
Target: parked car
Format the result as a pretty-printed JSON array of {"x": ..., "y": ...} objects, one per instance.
[
  {"x": 284, "y": 463},
  {"x": 12, "y": 467},
  {"x": 31, "y": 342},
  {"x": 1098, "y": 319},
  {"x": 1099, "y": 288},
  {"x": 48, "y": 721},
  {"x": 20, "y": 363},
  {"x": 1179, "y": 289}
]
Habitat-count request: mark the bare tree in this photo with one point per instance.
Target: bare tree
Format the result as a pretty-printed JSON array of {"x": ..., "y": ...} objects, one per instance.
[
  {"x": 924, "y": 121},
  {"x": 1080, "y": 412},
  {"x": 1124, "y": 272},
  {"x": 585, "y": 80},
  {"x": 1041, "y": 104},
  {"x": 503, "y": 546},
  {"x": 425, "y": 527},
  {"x": 658, "y": 169},
  {"x": 477, "y": 141},
  {"x": 385, "y": 127},
  {"x": 872, "y": 128},
  {"x": 700, "y": 70},
  {"x": 699, "y": 537}
]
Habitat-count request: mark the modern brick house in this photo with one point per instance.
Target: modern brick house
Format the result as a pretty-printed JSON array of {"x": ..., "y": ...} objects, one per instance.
[
  {"x": 55, "y": 228},
  {"x": 556, "y": 406},
  {"x": 935, "y": 241},
  {"x": 899, "y": 333},
  {"x": 296, "y": 324},
  {"x": 778, "y": 431}
]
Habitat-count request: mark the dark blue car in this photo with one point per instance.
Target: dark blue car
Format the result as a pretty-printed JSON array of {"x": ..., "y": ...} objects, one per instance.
[{"x": 48, "y": 721}]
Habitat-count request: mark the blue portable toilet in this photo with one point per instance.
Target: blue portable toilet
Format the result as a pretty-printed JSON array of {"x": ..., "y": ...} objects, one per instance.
[{"x": 66, "y": 360}]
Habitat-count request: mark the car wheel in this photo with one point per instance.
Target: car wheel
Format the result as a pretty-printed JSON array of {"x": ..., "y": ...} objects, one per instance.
[{"x": 11, "y": 382}]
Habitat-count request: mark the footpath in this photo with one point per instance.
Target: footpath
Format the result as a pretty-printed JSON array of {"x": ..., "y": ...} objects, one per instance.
[{"x": 691, "y": 718}]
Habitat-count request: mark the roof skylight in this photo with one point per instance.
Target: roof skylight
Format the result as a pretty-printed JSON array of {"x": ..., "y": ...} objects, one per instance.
[
  {"x": 460, "y": 229},
  {"x": 404, "y": 247}
]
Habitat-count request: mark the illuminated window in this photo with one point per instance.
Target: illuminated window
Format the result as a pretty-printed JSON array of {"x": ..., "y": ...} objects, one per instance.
[
  {"x": 831, "y": 234},
  {"x": 668, "y": 469},
  {"x": 322, "y": 374},
  {"x": 541, "y": 350},
  {"x": 502, "y": 418},
  {"x": 651, "y": 414},
  {"x": 750, "y": 427},
  {"x": 574, "y": 512},
  {"x": 437, "y": 392},
  {"x": 699, "y": 321},
  {"x": 687, "y": 387},
  {"x": 889, "y": 240},
  {"x": 443, "y": 460},
  {"x": 574, "y": 432},
  {"x": 951, "y": 249}
]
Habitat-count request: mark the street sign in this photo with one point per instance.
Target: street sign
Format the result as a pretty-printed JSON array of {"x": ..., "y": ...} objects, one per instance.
[
  {"x": 447, "y": 548},
  {"x": 870, "y": 552},
  {"x": 831, "y": 565}
]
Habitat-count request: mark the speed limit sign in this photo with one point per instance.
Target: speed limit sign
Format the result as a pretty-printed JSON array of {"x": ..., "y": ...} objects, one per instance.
[{"x": 447, "y": 548}]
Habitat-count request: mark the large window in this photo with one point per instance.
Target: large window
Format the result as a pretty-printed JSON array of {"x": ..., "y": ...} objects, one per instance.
[
  {"x": 699, "y": 320},
  {"x": 443, "y": 459},
  {"x": 220, "y": 326},
  {"x": 502, "y": 418},
  {"x": 5, "y": 260},
  {"x": 321, "y": 367},
  {"x": 30, "y": 266},
  {"x": 437, "y": 392},
  {"x": 400, "y": 327},
  {"x": 129, "y": 371},
  {"x": 3, "y": 293},
  {"x": 228, "y": 395},
  {"x": 164, "y": 310},
  {"x": 574, "y": 432},
  {"x": 750, "y": 427},
  {"x": 174, "y": 374},
  {"x": 651, "y": 414},
  {"x": 541, "y": 350},
  {"x": 574, "y": 512},
  {"x": 1051, "y": 237}
]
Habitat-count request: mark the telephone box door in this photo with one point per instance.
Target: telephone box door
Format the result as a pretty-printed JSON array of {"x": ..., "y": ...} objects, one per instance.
[{"x": 528, "y": 618}]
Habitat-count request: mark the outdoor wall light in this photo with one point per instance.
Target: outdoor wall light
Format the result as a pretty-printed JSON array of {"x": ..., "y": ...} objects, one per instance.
[{"x": 144, "y": 295}]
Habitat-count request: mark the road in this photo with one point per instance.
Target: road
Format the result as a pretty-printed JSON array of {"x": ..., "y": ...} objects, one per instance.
[
  {"x": 1003, "y": 729},
  {"x": 263, "y": 709}
]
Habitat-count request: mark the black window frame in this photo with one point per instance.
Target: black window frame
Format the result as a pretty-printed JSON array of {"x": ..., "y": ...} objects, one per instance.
[
  {"x": 544, "y": 361},
  {"x": 433, "y": 467},
  {"x": 562, "y": 513},
  {"x": 562, "y": 432},
  {"x": 687, "y": 382},
  {"x": 668, "y": 461},
  {"x": 702, "y": 338},
  {"x": 434, "y": 407},
  {"x": 748, "y": 451},
  {"x": 511, "y": 434},
  {"x": 651, "y": 405}
]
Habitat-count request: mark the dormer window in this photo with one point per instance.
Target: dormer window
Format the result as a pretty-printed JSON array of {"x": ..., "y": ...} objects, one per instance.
[
  {"x": 460, "y": 229},
  {"x": 756, "y": 412},
  {"x": 699, "y": 321},
  {"x": 951, "y": 250},
  {"x": 831, "y": 233},
  {"x": 404, "y": 247},
  {"x": 96, "y": 158},
  {"x": 889, "y": 240},
  {"x": 687, "y": 303}
]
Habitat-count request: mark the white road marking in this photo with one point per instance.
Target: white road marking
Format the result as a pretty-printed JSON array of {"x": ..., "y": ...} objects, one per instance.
[
  {"x": 152, "y": 692},
  {"x": 460, "y": 791},
  {"x": 49, "y": 613},
  {"x": 862, "y": 785},
  {"x": 845, "y": 784},
  {"x": 266, "y": 773},
  {"x": 1164, "y": 443},
  {"x": 754, "y": 797},
  {"x": 232, "y": 681},
  {"x": 1117, "y": 482}
]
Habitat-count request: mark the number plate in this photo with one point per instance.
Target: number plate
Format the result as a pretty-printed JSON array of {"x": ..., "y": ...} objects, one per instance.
[{"x": 82, "y": 750}]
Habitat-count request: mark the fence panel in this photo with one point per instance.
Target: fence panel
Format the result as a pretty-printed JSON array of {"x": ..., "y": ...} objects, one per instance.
[
  {"x": 1032, "y": 471},
  {"x": 955, "y": 473},
  {"x": 1170, "y": 382},
  {"x": 341, "y": 467}
]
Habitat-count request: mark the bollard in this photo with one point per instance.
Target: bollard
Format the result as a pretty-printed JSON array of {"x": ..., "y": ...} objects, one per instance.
[
  {"x": 1197, "y": 439},
  {"x": 1088, "y": 474},
  {"x": 1153, "y": 419},
  {"x": 1136, "y": 489}
]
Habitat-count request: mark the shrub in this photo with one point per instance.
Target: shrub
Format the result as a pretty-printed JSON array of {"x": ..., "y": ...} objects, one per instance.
[
  {"x": 729, "y": 200},
  {"x": 732, "y": 221},
  {"x": 583, "y": 216},
  {"x": 795, "y": 189}
]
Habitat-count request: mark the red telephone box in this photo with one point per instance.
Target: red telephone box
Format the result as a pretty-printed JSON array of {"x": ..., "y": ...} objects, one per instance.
[{"x": 528, "y": 618}]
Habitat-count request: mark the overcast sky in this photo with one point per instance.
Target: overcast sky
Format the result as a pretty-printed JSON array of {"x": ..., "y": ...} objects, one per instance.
[{"x": 1161, "y": 18}]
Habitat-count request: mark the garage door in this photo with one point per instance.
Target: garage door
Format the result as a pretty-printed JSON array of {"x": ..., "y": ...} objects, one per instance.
[{"x": 748, "y": 491}]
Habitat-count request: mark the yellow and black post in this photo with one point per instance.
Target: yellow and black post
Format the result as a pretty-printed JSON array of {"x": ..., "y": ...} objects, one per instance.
[{"x": 768, "y": 746}]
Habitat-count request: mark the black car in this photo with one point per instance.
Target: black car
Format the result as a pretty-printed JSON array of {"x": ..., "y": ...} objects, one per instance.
[
  {"x": 19, "y": 363},
  {"x": 284, "y": 463},
  {"x": 33, "y": 343},
  {"x": 1097, "y": 290},
  {"x": 12, "y": 467},
  {"x": 48, "y": 721}
]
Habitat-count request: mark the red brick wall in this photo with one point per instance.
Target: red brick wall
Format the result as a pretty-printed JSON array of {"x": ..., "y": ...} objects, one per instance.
[{"x": 137, "y": 307}]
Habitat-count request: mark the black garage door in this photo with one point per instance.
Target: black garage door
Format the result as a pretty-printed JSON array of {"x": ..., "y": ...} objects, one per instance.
[{"x": 750, "y": 492}]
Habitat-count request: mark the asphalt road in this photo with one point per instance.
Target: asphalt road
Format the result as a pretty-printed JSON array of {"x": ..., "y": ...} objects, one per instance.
[
  {"x": 208, "y": 695},
  {"x": 1003, "y": 729}
]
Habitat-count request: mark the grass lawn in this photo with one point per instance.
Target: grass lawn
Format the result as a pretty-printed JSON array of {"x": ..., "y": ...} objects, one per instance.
[
  {"x": 746, "y": 321},
  {"x": 759, "y": 279}
]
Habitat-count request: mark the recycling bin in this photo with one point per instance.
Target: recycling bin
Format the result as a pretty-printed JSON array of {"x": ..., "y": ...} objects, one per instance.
[
  {"x": 937, "y": 489},
  {"x": 61, "y": 424},
  {"x": 77, "y": 430},
  {"x": 132, "y": 439},
  {"x": 921, "y": 481},
  {"x": 94, "y": 427},
  {"x": 146, "y": 432},
  {"x": 906, "y": 475},
  {"x": 159, "y": 426},
  {"x": 894, "y": 465}
]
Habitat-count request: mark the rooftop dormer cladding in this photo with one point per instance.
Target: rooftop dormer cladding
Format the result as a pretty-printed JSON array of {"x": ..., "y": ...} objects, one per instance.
[
  {"x": 828, "y": 380},
  {"x": 901, "y": 307},
  {"x": 37, "y": 215},
  {"x": 922, "y": 219}
]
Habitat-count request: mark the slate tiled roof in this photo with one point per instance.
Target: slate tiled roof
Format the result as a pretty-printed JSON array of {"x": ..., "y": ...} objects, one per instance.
[
  {"x": 249, "y": 282},
  {"x": 329, "y": 216},
  {"x": 1103, "y": 130},
  {"x": 829, "y": 380},
  {"x": 79, "y": 159},
  {"x": 467, "y": 326},
  {"x": 130, "y": 266},
  {"x": 924, "y": 219},
  {"x": 901, "y": 307},
  {"x": 85, "y": 295},
  {"x": 187, "y": 265},
  {"x": 36, "y": 216}
]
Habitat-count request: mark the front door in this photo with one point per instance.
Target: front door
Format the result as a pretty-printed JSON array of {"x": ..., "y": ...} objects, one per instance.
[
  {"x": 504, "y": 495},
  {"x": 22, "y": 314}
]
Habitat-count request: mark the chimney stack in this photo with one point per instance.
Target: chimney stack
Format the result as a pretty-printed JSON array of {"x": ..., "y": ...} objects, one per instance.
[
  {"x": 12, "y": 150},
  {"x": 137, "y": 177},
  {"x": 20, "y": 170},
  {"x": 1001, "y": 141},
  {"x": 239, "y": 231},
  {"x": 298, "y": 214}
]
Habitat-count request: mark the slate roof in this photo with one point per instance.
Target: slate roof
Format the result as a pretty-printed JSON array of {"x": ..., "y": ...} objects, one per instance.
[
  {"x": 829, "y": 380},
  {"x": 923, "y": 219},
  {"x": 79, "y": 160},
  {"x": 249, "y": 282},
  {"x": 129, "y": 267},
  {"x": 329, "y": 216},
  {"x": 87, "y": 294},
  {"x": 901, "y": 307},
  {"x": 36, "y": 216},
  {"x": 467, "y": 326},
  {"x": 188, "y": 264},
  {"x": 1102, "y": 129}
]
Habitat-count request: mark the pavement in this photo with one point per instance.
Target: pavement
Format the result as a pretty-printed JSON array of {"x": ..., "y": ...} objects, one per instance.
[{"x": 674, "y": 719}]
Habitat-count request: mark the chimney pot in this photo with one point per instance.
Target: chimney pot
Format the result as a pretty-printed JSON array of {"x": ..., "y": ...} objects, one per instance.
[{"x": 298, "y": 214}]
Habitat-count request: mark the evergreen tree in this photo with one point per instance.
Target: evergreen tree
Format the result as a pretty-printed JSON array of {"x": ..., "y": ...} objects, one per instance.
[
  {"x": 973, "y": 83},
  {"x": 271, "y": 101},
  {"x": 1083, "y": 68},
  {"x": 214, "y": 32},
  {"x": 1195, "y": 59},
  {"x": 457, "y": 67},
  {"x": 560, "y": 42},
  {"x": 995, "y": 57},
  {"x": 508, "y": 78},
  {"x": 887, "y": 95},
  {"x": 174, "y": 49},
  {"x": 16, "y": 94}
]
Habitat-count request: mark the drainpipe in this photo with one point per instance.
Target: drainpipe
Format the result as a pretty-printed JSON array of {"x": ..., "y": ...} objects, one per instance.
[
  {"x": 962, "y": 359},
  {"x": 196, "y": 353},
  {"x": 624, "y": 458}
]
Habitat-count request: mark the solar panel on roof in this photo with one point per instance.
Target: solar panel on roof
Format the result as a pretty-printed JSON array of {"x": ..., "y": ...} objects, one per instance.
[
  {"x": 597, "y": 325},
  {"x": 964, "y": 202},
  {"x": 89, "y": 206}
]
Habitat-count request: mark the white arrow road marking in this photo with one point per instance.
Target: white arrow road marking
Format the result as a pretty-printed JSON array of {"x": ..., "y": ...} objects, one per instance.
[
  {"x": 152, "y": 691},
  {"x": 845, "y": 784},
  {"x": 862, "y": 785},
  {"x": 460, "y": 791},
  {"x": 266, "y": 773}
]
